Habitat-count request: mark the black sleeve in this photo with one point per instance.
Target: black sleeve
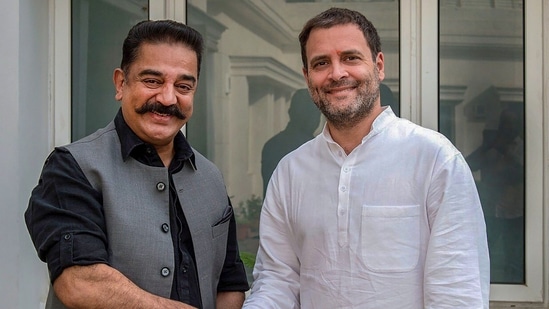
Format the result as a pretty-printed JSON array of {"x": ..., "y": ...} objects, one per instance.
[
  {"x": 233, "y": 276},
  {"x": 65, "y": 216}
]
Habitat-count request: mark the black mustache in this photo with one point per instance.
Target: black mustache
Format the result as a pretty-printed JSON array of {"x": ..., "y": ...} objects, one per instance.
[{"x": 155, "y": 107}]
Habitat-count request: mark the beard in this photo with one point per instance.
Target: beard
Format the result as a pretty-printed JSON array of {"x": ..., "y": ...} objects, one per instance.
[{"x": 347, "y": 116}]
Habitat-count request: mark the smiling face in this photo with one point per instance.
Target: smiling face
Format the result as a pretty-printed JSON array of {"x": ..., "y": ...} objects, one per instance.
[
  {"x": 342, "y": 75},
  {"x": 157, "y": 92}
]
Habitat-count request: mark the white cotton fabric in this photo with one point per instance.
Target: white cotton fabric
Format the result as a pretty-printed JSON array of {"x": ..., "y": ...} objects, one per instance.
[{"x": 397, "y": 223}]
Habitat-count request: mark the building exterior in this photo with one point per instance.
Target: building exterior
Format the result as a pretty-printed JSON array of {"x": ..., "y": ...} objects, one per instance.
[{"x": 462, "y": 67}]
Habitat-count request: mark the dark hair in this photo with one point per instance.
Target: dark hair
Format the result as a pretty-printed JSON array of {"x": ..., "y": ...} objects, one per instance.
[
  {"x": 160, "y": 31},
  {"x": 339, "y": 16}
]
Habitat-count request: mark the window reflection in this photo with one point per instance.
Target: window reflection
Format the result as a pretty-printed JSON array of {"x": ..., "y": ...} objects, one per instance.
[
  {"x": 481, "y": 110},
  {"x": 98, "y": 30},
  {"x": 250, "y": 75},
  {"x": 304, "y": 120}
]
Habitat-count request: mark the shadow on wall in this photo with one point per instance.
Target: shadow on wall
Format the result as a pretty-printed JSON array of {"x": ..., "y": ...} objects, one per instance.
[
  {"x": 304, "y": 120},
  {"x": 388, "y": 99},
  {"x": 500, "y": 161}
]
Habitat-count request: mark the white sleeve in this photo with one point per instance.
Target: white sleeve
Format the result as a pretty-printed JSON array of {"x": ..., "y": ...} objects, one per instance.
[
  {"x": 276, "y": 271},
  {"x": 457, "y": 268}
]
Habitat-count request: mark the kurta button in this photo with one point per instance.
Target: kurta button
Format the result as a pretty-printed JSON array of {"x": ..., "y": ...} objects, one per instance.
[
  {"x": 160, "y": 186},
  {"x": 165, "y": 271},
  {"x": 165, "y": 228},
  {"x": 67, "y": 236}
]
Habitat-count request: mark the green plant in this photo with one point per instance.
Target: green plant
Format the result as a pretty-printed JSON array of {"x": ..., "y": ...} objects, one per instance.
[
  {"x": 248, "y": 259},
  {"x": 248, "y": 211},
  {"x": 247, "y": 216}
]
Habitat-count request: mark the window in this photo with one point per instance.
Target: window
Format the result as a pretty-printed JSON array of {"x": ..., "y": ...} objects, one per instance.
[
  {"x": 98, "y": 30},
  {"x": 487, "y": 107},
  {"x": 252, "y": 105},
  {"x": 481, "y": 110}
]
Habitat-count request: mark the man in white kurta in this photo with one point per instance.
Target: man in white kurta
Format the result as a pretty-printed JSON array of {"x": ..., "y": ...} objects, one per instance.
[
  {"x": 365, "y": 231},
  {"x": 375, "y": 212}
]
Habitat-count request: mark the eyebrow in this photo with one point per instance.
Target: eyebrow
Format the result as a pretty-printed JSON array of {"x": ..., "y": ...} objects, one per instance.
[
  {"x": 185, "y": 77},
  {"x": 352, "y": 52}
]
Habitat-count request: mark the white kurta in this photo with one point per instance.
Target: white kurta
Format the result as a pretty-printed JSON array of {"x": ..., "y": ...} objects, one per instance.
[{"x": 397, "y": 223}]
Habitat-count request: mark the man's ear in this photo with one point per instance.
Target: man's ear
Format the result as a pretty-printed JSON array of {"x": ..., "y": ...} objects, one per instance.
[
  {"x": 118, "y": 78},
  {"x": 380, "y": 63}
]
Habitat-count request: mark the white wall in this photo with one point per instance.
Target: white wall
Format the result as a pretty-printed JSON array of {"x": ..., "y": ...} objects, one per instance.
[
  {"x": 24, "y": 141},
  {"x": 9, "y": 185}
]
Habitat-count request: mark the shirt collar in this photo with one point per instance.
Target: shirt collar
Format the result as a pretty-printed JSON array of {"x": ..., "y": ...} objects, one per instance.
[
  {"x": 383, "y": 120},
  {"x": 130, "y": 143}
]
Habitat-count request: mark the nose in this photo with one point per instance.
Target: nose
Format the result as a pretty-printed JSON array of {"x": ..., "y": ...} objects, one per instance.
[
  {"x": 338, "y": 71},
  {"x": 166, "y": 95}
]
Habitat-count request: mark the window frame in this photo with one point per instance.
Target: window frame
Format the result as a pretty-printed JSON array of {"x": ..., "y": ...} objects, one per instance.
[{"x": 422, "y": 73}]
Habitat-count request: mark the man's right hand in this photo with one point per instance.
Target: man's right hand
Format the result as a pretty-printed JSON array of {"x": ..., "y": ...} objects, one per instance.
[{"x": 101, "y": 286}]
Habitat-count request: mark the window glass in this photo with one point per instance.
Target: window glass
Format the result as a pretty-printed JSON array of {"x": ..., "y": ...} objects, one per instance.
[
  {"x": 98, "y": 30},
  {"x": 252, "y": 106},
  {"x": 481, "y": 110}
]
